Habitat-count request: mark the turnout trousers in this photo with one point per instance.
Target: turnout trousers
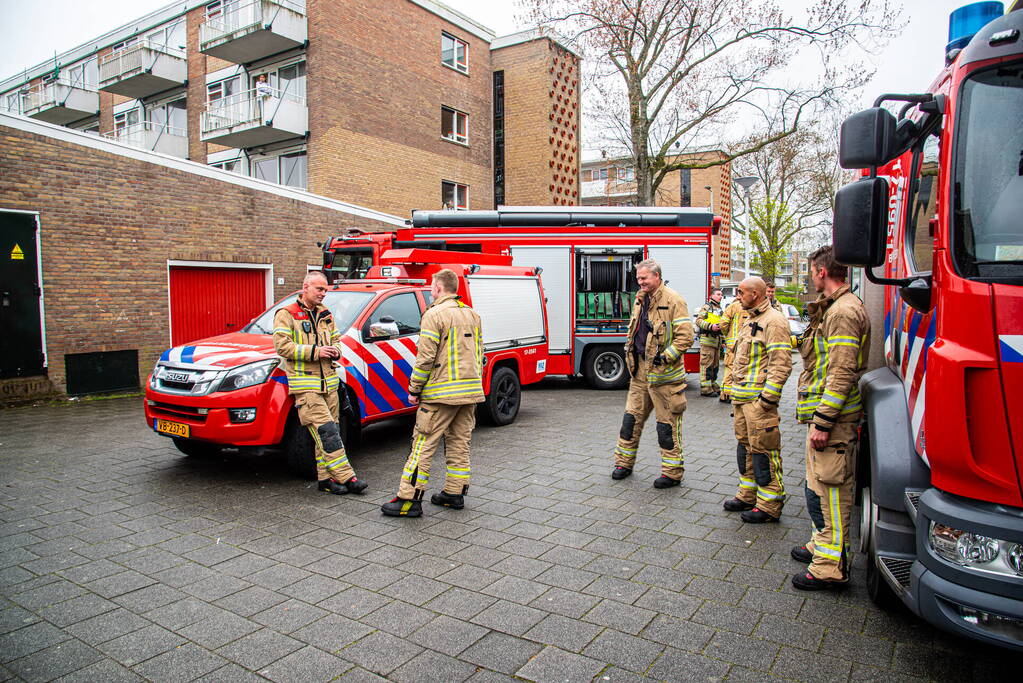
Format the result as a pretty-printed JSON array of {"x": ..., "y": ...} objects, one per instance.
[
  {"x": 453, "y": 423},
  {"x": 709, "y": 358},
  {"x": 830, "y": 483},
  {"x": 319, "y": 413},
  {"x": 668, "y": 401},
  {"x": 758, "y": 456}
]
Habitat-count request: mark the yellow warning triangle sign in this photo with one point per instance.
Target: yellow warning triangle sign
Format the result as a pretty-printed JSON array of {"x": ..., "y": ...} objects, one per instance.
[{"x": 17, "y": 254}]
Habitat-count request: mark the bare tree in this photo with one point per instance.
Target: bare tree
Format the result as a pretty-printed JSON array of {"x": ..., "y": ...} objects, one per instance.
[{"x": 672, "y": 75}]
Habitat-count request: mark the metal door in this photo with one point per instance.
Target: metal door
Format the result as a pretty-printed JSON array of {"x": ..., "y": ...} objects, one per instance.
[
  {"x": 557, "y": 285},
  {"x": 205, "y": 302},
  {"x": 21, "y": 342}
]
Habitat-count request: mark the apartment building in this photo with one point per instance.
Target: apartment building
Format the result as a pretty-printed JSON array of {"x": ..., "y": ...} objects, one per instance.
[
  {"x": 611, "y": 181},
  {"x": 388, "y": 104}
]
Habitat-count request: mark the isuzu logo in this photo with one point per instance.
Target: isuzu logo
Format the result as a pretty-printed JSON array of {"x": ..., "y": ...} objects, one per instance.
[{"x": 175, "y": 376}]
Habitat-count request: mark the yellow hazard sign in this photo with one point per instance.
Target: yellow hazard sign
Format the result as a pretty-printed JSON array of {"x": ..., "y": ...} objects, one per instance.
[{"x": 17, "y": 254}]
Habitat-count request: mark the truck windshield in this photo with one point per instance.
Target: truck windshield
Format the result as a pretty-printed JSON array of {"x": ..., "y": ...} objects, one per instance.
[
  {"x": 350, "y": 264},
  {"x": 346, "y": 307},
  {"x": 988, "y": 194}
]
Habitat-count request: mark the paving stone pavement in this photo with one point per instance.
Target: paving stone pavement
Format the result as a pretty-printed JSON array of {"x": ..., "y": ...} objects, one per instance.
[{"x": 121, "y": 560}]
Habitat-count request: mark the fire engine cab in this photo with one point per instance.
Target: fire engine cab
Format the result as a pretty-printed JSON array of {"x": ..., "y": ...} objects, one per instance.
[
  {"x": 229, "y": 391},
  {"x": 940, "y": 213},
  {"x": 588, "y": 256}
]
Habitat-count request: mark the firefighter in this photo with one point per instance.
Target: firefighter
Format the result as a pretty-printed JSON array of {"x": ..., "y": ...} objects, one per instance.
[
  {"x": 731, "y": 322},
  {"x": 775, "y": 304},
  {"x": 834, "y": 350},
  {"x": 305, "y": 337},
  {"x": 660, "y": 331},
  {"x": 447, "y": 384},
  {"x": 708, "y": 319},
  {"x": 761, "y": 364}
]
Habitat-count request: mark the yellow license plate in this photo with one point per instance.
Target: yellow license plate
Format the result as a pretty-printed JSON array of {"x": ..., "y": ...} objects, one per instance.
[{"x": 172, "y": 428}]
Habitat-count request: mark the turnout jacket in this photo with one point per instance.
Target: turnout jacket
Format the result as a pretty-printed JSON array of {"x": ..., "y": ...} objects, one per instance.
[
  {"x": 298, "y": 332},
  {"x": 834, "y": 348},
  {"x": 731, "y": 322},
  {"x": 449, "y": 361},
  {"x": 709, "y": 314},
  {"x": 671, "y": 333},
  {"x": 763, "y": 356}
]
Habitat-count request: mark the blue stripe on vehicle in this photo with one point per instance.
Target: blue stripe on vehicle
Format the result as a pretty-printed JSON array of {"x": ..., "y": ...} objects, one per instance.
[
  {"x": 372, "y": 395},
  {"x": 166, "y": 354},
  {"x": 387, "y": 378},
  {"x": 187, "y": 354},
  {"x": 283, "y": 379}
]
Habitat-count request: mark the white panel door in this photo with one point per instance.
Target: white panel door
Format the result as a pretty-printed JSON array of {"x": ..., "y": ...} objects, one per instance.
[
  {"x": 557, "y": 284},
  {"x": 509, "y": 308},
  {"x": 685, "y": 270}
]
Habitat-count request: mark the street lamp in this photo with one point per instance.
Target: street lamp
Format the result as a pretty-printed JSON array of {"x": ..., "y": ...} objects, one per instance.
[
  {"x": 745, "y": 182},
  {"x": 711, "y": 190}
]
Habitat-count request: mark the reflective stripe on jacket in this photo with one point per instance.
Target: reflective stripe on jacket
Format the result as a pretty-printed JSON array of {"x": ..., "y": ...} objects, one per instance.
[
  {"x": 671, "y": 334},
  {"x": 297, "y": 347},
  {"x": 731, "y": 323},
  {"x": 449, "y": 361},
  {"x": 763, "y": 356},
  {"x": 709, "y": 314},
  {"x": 834, "y": 348}
]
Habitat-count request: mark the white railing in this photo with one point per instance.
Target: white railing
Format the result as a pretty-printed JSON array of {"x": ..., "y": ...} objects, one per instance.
[
  {"x": 133, "y": 59},
  {"x": 145, "y": 134},
  {"x": 50, "y": 93},
  {"x": 239, "y": 18},
  {"x": 250, "y": 106}
]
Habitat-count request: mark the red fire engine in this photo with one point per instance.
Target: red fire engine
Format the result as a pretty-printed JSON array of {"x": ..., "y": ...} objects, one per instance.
[
  {"x": 229, "y": 391},
  {"x": 940, "y": 209},
  {"x": 588, "y": 256}
]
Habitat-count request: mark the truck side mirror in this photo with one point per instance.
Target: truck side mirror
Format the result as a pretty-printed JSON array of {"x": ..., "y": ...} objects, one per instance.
[
  {"x": 867, "y": 139},
  {"x": 861, "y": 222},
  {"x": 385, "y": 328}
]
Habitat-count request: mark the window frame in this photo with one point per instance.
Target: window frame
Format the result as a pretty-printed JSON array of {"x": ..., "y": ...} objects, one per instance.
[
  {"x": 911, "y": 226},
  {"x": 462, "y": 68},
  {"x": 456, "y": 188},
  {"x": 364, "y": 331},
  {"x": 460, "y": 117}
]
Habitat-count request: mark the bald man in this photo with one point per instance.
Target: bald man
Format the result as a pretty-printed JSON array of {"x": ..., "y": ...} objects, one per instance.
[
  {"x": 761, "y": 364},
  {"x": 307, "y": 341}
]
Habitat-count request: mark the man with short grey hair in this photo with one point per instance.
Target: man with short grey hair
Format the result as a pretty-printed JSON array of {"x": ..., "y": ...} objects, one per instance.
[{"x": 660, "y": 332}]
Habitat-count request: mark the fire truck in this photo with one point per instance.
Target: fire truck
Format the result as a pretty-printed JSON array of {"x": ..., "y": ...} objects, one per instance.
[
  {"x": 229, "y": 390},
  {"x": 588, "y": 256},
  {"x": 936, "y": 222}
]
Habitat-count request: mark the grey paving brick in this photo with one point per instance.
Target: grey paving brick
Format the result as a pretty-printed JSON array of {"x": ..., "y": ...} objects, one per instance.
[
  {"x": 796, "y": 664},
  {"x": 332, "y": 633},
  {"x": 469, "y": 577},
  {"x": 625, "y": 651},
  {"x": 250, "y": 601},
  {"x": 433, "y": 666},
  {"x": 289, "y": 616},
  {"x": 514, "y": 589},
  {"x": 278, "y": 576},
  {"x": 501, "y": 652},
  {"x": 615, "y": 589},
  {"x": 107, "y": 626},
  {"x": 307, "y": 664},
  {"x": 12, "y": 618},
  {"x": 149, "y": 598},
  {"x": 218, "y": 630},
  {"x": 51, "y": 592},
  {"x": 743, "y": 650},
  {"x": 726, "y": 617},
  {"x": 354, "y": 602},
  {"x": 555, "y": 664},
  {"x": 380, "y": 652},
  {"x": 29, "y": 639},
  {"x": 508, "y": 617},
  {"x": 373, "y": 577},
  {"x": 106, "y": 670},
  {"x": 568, "y": 634},
  {"x": 565, "y": 602},
  {"x": 447, "y": 635},
  {"x": 678, "y": 634},
  {"x": 77, "y": 609},
  {"x": 628, "y": 618},
  {"x": 795, "y": 633},
  {"x": 177, "y": 615},
  {"x": 333, "y": 565},
  {"x": 138, "y": 646},
  {"x": 216, "y": 587},
  {"x": 185, "y": 663},
  {"x": 460, "y": 603},
  {"x": 55, "y": 661},
  {"x": 398, "y": 618},
  {"x": 677, "y": 665},
  {"x": 669, "y": 602},
  {"x": 259, "y": 649},
  {"x": 414, "y": 589}
]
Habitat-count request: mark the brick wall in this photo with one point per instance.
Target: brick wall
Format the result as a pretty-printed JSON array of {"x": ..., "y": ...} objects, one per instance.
[{"x": 110, "y": 223}]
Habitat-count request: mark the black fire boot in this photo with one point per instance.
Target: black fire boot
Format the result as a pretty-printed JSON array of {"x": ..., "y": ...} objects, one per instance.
[
  {"x": 355, "y": 486},
  {"x": 736, "y": 505},
  {"x": 663, "y": 482},
  {"x": 331, "y": 486},
  {"x": 621, "y": 473},
  {"x": 805, "y": 581},
  {"x": 757, "y": 516},
  {"x": 455, "y": 501},
  {"x": 400, "y": 507},
  {"x": 800, "y": 553}
]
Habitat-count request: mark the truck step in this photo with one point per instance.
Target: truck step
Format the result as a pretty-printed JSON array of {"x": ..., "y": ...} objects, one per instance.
[
  {"x": 913, "y": 502},
  {"x": 898, "y": 569}
]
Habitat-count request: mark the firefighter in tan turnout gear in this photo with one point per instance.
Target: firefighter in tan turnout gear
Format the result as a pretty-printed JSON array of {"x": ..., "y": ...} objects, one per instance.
[
  {"x": 760, "y": 367},
  {"x": 305, "y": 337},
  {"x": 708, "y": 319},
  {"x": 447, "y": 384},
  {"x": 660, "y": 331},
  {"x": 731, "y": 322},
  {"x": 834, "y": 349}
]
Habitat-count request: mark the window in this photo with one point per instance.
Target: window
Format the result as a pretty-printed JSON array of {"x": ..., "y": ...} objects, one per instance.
[
  {"x": 220, "y": 7},
  {"x": 174, "y": 115},
  {"x": 232, "y": 165},
  {"x": 266, "y": 169},
  {"x": 626, "y": 173},
  {"x": 291, "y": 79},
  {"x": 13, "y": 103},
  {"x": 286, "y": 169},
  {"x": 221, "y": 89},
  {"x": 125, "y": 43},
  {"x": 685, "y": 187},
  {"x": 454, "y": 53},
  {"x": 454, "y": 125},
  {"x": 600, "y": 174},
  {"x": 454, "y": 195},
  {"x": 126, "y": 119},
  {"x": 403, "y": 308}
]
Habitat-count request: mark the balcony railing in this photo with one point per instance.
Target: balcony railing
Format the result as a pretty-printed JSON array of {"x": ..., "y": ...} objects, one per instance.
[
  {"x": 156, "y": 137},
  {"x": 142, "y": 69},
  {"x": 254, "y": 117},
  {"x": 249, "y": 29},
  {"x": 60, "y": 101}
]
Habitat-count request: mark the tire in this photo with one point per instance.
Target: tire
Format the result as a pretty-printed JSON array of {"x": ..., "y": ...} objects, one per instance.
[
  {"x": 502, "y": 404},
  {"x": 299, "y": 449},
  {"x": 880, "y": 593},
  {"x": 604, "y": 368},
  {"x": 197, "y": 449}
]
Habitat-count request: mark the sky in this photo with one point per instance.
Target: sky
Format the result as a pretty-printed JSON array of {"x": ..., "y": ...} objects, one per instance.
[{"x": 33, "y": 31}]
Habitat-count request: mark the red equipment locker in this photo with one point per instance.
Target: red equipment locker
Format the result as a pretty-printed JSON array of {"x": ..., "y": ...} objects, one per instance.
[{"x": 209, "y": 301}]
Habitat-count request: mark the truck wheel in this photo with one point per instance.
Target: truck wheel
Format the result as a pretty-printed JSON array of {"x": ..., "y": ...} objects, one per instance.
[
  {"x": 196, "y": 449},
  {"x": 299, "y": 450},
  {"x": 880, "y": 593},
  {"x": 502, "y": 404},
  {"x": 604, "y": 368}
]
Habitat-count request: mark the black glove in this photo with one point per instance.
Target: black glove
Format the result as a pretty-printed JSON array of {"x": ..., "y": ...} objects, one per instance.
[{"x": 658, "y": 360}]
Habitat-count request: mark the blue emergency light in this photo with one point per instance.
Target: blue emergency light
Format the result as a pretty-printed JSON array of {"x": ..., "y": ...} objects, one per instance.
[{"x": 964, "y": 22}]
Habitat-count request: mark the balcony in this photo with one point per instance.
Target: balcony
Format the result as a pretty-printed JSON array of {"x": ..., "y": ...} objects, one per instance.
[
  {"x": 253, "y": 29},
  {"x": 155, "y": 137},
  {"x": 252, "y": 119},
  {"x": 142, "y": 69},
  {"x": 59, "y": 101}
]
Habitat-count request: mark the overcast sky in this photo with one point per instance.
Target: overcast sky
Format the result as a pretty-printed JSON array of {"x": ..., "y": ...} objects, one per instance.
[{"x": 31, "y": 31}]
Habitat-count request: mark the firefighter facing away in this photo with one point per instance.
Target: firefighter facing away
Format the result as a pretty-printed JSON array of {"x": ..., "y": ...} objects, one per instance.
[
  {"x": 731, "y": 322},
  {"x": 708, "y": 319},
  {"x": 305, "y": 337},
  {"x": 660, "y": 331},
  {"x": 761, "y": 363},
  {"x": 447, "y": 384},
  {"x": 834, "y": 350}
]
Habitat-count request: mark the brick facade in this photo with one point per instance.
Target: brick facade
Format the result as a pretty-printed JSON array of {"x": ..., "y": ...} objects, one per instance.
[{"x": 110, "y": 223}]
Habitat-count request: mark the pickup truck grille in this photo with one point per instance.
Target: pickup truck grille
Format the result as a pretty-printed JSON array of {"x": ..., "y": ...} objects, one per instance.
[{"x": 171, "y": 411}]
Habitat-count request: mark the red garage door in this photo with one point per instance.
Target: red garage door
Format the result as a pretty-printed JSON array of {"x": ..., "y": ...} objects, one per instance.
[{"x": 210, "y": 301}]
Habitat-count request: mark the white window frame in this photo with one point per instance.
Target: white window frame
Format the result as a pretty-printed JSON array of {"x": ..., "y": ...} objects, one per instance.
[
  {"x": 460, "y": 121},
  {"x": 460, "y": 67},
  {"x": 459, "y": 188}
]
